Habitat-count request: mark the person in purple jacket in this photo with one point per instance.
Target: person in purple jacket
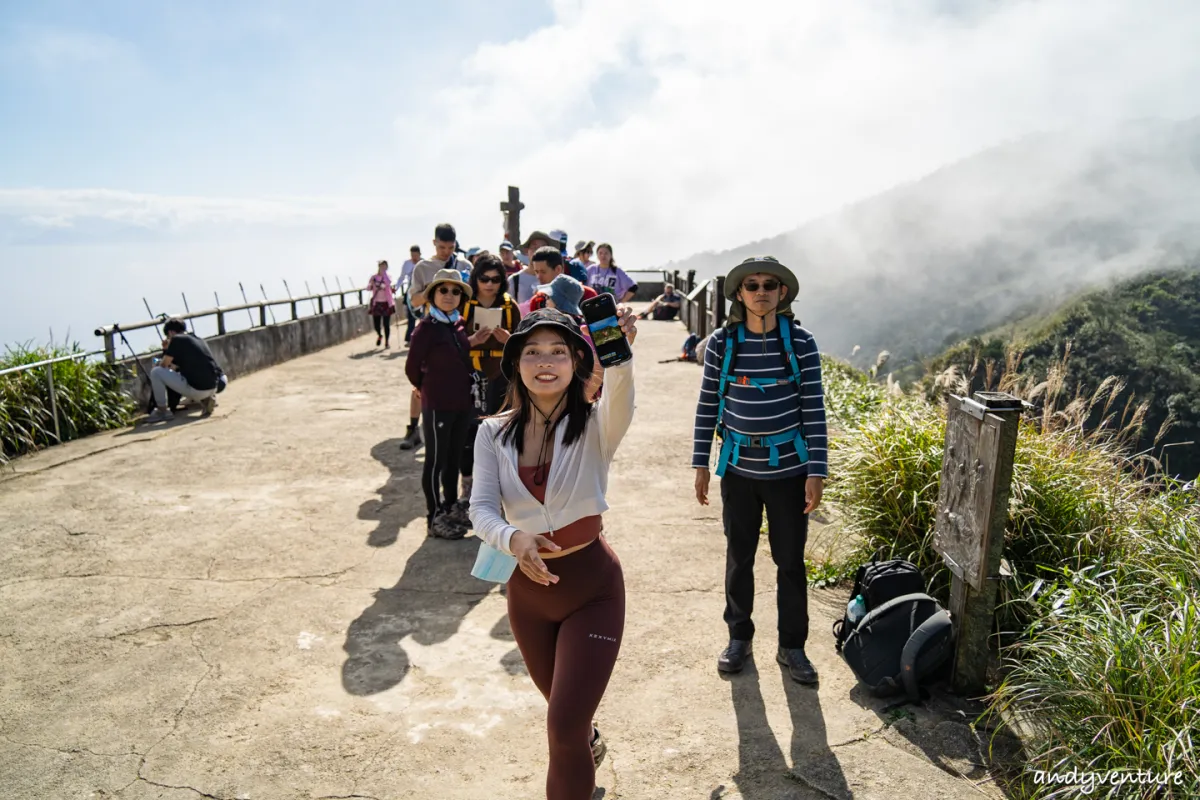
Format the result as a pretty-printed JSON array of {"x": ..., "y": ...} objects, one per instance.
[
  {"x": 439, "y": 368},
  {"x": 608, "y": 277}
]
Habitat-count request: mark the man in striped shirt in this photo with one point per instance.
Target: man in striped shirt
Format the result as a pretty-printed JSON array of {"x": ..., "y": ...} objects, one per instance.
[{"x": 771, "y": 420}]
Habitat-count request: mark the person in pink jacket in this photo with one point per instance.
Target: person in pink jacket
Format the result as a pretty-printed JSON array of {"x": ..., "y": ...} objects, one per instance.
[{"x": 382, "y": 305}]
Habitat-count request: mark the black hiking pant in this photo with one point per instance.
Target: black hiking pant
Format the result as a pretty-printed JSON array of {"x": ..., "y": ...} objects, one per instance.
[
  {"x": 445, "y": 434},
  {"x": 787, "y": 530}
]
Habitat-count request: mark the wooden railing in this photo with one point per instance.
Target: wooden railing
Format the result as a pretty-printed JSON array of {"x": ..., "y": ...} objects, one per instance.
[
  {"x": 321, "y": 303},
  {"x": 703, "y": 308}
]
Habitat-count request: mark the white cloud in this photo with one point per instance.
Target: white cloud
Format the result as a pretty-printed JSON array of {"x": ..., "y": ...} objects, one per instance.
[
  {"x": 670, "y": 127},
  {"x": 768, "y": 112}
]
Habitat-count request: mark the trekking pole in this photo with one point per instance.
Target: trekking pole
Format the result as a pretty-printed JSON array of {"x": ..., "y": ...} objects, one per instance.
[
  {"x": 151, "y": 313},
  {"x": 191, "y": 321},
  {"x": 247, "y": 302},
  {"x": 311, "y": 302},
  {"x": 266, "y": 299}
]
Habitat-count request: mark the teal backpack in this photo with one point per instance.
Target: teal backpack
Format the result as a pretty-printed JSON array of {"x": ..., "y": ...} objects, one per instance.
[{"x": 731, "y": 441}]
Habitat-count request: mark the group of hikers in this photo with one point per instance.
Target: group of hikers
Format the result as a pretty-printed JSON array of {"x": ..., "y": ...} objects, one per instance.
[{"x": 509, "y": 395}]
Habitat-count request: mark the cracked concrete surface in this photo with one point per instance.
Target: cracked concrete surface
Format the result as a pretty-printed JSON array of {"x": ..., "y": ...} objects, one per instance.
[{"x": 248, "y": 607}]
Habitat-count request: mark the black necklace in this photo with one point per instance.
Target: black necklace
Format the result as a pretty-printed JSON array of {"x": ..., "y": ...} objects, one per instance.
[{"x": 546, "y": 449}]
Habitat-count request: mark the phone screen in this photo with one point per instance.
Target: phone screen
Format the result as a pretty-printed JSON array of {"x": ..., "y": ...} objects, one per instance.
[{"x": 601, "y": 316}]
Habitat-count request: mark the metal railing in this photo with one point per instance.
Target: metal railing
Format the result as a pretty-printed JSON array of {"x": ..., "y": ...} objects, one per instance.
[
  {"x": 49, "y": 365},
  {"x": 703, "y": 307},
  {"x": 264, "y": 307}
]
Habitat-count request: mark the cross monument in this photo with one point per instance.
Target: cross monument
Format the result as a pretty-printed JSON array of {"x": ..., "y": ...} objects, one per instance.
[{"x": 512, "y": 215}]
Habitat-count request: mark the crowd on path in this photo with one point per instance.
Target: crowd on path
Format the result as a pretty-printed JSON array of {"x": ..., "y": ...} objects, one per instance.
[{"x": 520, "y": 422}]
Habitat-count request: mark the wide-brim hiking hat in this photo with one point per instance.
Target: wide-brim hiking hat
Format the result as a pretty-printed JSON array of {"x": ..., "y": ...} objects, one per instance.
[
  {"x": 554, "y": 320},
  {"x": 759, "y": 265},
  {"x": 447, "y": 276},
  {"x": 566, "y": 292},
  {"x": 545, "y": 237}
]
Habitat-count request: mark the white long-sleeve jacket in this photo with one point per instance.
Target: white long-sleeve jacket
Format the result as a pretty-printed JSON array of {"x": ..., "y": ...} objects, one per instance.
[{"x": 578, "y": 477}]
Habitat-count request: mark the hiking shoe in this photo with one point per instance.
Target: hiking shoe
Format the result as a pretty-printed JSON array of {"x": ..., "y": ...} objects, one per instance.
[
  {"x": 160, "y": 415},
  {"x": 459, "y": 512},
  {"x": 443, "y": 527},
  {"x": 733, "y": 658},
  {"x": 799, "y": 667},
  {"x": 411, "y": 440},
  {"x": 207, "y": 406},
  {"x": 599, "y": 748}
]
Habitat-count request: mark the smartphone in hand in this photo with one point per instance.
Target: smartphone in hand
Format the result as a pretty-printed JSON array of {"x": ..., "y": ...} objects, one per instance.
[{"x": 600, "y": 314}]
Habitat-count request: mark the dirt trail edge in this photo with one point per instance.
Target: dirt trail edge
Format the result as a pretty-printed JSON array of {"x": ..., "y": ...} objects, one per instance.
[{"x": 247, "y": 606}]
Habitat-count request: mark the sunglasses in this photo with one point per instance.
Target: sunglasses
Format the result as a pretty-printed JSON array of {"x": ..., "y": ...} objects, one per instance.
[
  {"x": 767, "y": 286},
  {"x": 490, "y": 279},
  {"x": 450, "y": 290}
]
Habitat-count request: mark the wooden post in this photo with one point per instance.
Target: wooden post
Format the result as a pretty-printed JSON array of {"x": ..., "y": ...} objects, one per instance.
[
  {"x": 977, "y": 467},
  {"x": 512, "y": 215}
]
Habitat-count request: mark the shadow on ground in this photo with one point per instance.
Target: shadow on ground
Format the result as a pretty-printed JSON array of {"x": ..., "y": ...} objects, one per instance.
[
  {"x": 399, "y": 500},
  {"x": 954, "y": 733},
  {"x": 423, "y": 604},
  {"x": 763, "y": 770}
]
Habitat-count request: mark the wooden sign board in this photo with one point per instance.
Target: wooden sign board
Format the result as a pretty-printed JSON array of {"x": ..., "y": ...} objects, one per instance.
[{"x": 966, "y": 498}]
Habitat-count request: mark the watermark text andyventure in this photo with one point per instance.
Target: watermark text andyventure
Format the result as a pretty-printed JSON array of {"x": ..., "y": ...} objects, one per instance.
[{"x": 1087, "y": 781}]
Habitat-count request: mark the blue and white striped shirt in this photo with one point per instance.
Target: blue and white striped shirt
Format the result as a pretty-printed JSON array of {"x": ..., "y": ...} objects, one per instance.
[{"x": 755, "y": 411}]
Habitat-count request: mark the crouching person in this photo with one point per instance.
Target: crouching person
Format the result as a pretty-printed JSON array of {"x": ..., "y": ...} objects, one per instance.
[{"x": 188, "y": 368}]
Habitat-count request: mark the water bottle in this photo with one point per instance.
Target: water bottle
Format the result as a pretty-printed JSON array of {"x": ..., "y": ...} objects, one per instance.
[{"x": 856, "y": 609}]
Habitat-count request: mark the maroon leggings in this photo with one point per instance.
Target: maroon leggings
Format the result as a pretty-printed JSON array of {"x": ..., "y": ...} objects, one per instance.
[{"x": 569, "y": 634}]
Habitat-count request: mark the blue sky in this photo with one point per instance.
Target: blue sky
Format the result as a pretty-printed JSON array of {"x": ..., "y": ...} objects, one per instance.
[{"x": 157, "y": 148}]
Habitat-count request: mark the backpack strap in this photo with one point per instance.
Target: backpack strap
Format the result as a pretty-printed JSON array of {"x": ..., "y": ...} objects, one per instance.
[
  {"x": 935, "y": 625},
  {"x": 733, "y": 337}
]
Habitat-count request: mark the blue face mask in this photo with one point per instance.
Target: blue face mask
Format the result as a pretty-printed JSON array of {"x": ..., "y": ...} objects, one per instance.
[{"x": 441, "y": 316}]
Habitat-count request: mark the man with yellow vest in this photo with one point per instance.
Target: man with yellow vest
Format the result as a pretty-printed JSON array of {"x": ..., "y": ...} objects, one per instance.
[{"x": 490, "y": 316}]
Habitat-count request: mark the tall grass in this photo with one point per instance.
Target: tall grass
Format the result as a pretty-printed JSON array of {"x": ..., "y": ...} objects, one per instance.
[
  {"x": 88, "y": 396},
  {"x": 1099, "y": 603}
]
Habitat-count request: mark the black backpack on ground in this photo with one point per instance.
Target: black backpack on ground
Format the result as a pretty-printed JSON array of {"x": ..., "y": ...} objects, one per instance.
[{"x": 904, "y": 638}]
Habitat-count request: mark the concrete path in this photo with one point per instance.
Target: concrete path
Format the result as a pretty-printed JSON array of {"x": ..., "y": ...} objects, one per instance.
[{"x": 248, "y": 607}]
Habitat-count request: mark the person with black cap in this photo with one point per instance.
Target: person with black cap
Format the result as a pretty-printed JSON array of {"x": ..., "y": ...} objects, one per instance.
[
  {"x": 439, "y": 368},
  {"x": 541, "y": 476},
  {"x": 761, "y": 394}
]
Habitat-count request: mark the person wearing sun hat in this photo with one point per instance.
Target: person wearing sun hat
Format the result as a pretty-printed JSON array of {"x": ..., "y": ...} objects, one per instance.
[
  {"x": 541, "y": 476},
  {"x": 761, "y": 395},
  {"x": 439, "y": 368}
]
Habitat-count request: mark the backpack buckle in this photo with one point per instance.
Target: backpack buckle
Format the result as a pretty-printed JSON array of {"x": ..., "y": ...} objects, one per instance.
[{"x": 755, "y": 441}]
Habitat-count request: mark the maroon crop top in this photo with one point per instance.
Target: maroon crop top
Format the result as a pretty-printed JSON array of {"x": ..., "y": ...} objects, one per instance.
[{"x": 581, "y": 531}]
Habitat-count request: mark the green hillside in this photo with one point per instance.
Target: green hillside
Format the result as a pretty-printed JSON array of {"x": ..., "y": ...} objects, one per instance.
[{"x": 1144, "y": 331}]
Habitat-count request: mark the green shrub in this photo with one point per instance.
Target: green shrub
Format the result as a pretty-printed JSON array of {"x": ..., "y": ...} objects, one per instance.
[
  {"x": 1108, "y": 678},
  {"x": 1103, "y": 586},
  {"x": 88, "y": 396}
]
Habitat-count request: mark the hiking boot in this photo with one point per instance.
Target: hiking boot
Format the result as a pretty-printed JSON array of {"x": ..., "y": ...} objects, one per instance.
[
  {"x": 160, "y": 415},
  {"x": 459, "y": 512},
  {"x": 207, "y": 406},
  {"x": 799, "y": 667},
  {"x": 411, "y": 440},
  {"x": 443, "y": 527},
  {"x": 599, "y": 748},
  {"x": 733, "y": 658}
]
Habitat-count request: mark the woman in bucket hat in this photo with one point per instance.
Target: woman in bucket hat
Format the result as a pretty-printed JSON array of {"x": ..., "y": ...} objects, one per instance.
[
  {"x": 541, "y": 474},
  {"x": 761, "y": 395},
  {"x": 439, "y": 368}
]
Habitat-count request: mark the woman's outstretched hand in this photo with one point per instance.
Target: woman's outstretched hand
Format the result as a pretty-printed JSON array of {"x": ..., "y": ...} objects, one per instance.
[
  {"x": 524, "y": 547},
  {"x": 628, "y": 322}
]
